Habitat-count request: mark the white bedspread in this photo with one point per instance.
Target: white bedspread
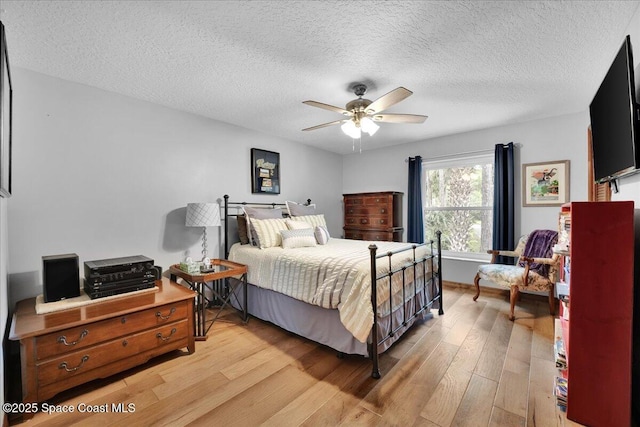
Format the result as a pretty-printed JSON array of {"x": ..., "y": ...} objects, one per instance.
[{"x": 335, "y": 275}]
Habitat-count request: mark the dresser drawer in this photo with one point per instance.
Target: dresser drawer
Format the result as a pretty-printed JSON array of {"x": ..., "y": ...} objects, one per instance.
[
  {"x": 383, "y": 199},
  {"x": 367, "y": 221},
  {"x": 84, "y": 360},
  {"x": 72, "y": 339},
  {"x": 382, "y": 209},
  {"x": 368, "y": 235}
]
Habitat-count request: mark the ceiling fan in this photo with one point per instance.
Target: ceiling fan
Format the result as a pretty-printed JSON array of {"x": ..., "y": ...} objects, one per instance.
[{"x": 362, "y": 113}]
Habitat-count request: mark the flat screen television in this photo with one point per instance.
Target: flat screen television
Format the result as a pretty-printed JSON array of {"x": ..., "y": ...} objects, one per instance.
[{"x": 615, "y": 121}]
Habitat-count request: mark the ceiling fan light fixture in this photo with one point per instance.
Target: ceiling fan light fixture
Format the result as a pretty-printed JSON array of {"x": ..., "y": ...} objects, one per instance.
[
  {"x": 350, "y": 129},
  {"x": 368, "y": 126}
]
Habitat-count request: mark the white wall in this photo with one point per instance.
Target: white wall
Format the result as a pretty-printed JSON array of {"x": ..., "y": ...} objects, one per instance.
[
  {"x": 556, "y": 138},
  {"x": 103, "y": 175}
]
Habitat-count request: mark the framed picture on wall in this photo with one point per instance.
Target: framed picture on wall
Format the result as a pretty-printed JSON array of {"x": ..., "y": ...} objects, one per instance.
[
  {"x": 545, "y": 183},
  {"x": 6, "y": 98},
  {"x": 265, "y": 171}
]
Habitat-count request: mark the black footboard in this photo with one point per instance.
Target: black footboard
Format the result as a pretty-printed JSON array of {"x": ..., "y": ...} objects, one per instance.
[{"x": 429, "y": 267}]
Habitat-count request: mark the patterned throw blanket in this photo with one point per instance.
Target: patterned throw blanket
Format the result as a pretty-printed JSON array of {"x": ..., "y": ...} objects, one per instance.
[
  {"x": 540, "y": 245},
  {"x": 336, "y": 276}
]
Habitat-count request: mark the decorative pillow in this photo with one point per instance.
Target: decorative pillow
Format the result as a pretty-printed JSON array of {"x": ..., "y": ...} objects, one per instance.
[
  {"x": 321, "y": 234},
  {"x": 242, "y": 230},
  {"x": 298, "y": 238},
  {"x": 314, "y": 220},
  {"x": 262, "y": 213},
  {"x": 259, "y": 213},
  {"x": 296, "y": 209},
  {"x": 268, "y": 231},
  {"x": 297, "y": 225}
]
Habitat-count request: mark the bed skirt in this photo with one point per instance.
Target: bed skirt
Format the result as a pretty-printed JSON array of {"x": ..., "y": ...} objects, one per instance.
[{"x": 323, "y": 325}]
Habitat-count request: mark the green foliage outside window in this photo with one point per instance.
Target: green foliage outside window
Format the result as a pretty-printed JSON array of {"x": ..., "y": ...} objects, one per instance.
[{"x": 458, "y": 201}]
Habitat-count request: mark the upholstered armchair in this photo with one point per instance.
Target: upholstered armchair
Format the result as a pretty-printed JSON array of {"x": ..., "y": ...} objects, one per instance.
[{"x": 531, "y": 272}]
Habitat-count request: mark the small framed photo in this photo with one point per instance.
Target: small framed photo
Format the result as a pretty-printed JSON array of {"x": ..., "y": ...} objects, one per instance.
[
  {"x": 265, "y": 171},
  {"x": 545, "y": 183}
]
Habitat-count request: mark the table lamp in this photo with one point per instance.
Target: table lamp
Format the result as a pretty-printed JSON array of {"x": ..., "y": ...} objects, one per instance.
[{"x": 203, "y": 215}]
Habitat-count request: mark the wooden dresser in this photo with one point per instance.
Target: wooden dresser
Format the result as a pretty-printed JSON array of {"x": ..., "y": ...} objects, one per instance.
[
  {"x": 63, "y": 349},
  {"x": 373, "y": 216}
]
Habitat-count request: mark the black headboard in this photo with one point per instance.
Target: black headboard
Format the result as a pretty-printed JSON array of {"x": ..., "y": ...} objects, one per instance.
[{"x": 237, "y": 206}]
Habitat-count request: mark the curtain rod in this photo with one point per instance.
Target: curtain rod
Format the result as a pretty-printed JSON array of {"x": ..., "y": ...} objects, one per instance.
[{"x": 466, "y": 153}]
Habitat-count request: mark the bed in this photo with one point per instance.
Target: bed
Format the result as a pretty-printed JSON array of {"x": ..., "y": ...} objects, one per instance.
[{"x": 324, "y": 290}]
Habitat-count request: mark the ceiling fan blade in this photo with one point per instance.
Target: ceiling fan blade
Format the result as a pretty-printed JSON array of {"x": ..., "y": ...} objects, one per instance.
[
  {"x": 399, "y": 118},
  {"x": 388, "y": 99},
  {"x": 337, "y": 122},
  {"x": 327, "y": 107}
]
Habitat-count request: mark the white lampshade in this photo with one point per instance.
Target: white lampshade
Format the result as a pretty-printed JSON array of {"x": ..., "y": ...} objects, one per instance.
[
  {"x": 203, "y": 215},
  {"x": 350, "y": 129},
  {"x": 368, "y": 126}
]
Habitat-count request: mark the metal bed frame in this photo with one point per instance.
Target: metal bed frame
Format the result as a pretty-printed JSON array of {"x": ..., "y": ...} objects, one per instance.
[{"x": 432, "y": 281}]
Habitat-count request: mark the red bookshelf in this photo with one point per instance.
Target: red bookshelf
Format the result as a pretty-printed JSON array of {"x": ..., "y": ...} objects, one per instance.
[{"x": 601, "y": 306}]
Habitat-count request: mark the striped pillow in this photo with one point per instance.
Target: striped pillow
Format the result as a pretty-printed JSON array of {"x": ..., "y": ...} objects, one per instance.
[
  {"x": 314, "y": 220},
  {"x": 321, "y": 234},
  {"x": 268, "y": 231},
  {"x": 258, "y": 213},
  {"x": 300, "y": 238},
  {"x": 297, "y": 225}
]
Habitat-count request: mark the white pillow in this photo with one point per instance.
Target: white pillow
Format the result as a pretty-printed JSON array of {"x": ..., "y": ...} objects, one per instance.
[
  {"x": 321, "y": 234},
  {"x": 298, "y": 238},
  {"x": 297, "y": 225},
  {"x": 314, "y": 220},
  {"x": 296, "y": 209},
  {"x": 268, "y": 231}
]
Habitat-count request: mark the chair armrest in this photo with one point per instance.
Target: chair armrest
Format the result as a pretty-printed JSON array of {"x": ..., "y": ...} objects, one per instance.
[
  {"x": 495, "y": 253},
  {"x": 548, "y": 261},
  {"x": 528, "y": 261}
]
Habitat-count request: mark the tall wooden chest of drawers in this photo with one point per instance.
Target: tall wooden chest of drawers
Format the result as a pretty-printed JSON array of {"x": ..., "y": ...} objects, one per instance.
[
  {"x": 373, "y": 216},
  {"x": 63, "y": 349}
]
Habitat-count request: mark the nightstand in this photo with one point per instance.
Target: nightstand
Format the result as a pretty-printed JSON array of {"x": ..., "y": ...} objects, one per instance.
[{"x": 226, "y": 280}]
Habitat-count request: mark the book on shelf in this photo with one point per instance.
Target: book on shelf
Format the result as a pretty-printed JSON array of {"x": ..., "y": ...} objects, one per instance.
[
  {"x": 560, "y": 391},
  {"x": 564, "y": 229},
  {"x": 559, "y": 352}
]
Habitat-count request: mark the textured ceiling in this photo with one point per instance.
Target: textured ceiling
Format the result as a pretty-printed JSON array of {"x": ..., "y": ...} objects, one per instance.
[{"x": 471, "y": 65}]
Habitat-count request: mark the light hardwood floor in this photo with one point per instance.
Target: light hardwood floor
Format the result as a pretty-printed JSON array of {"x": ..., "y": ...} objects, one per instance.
[{"x": 469, "y": 367}]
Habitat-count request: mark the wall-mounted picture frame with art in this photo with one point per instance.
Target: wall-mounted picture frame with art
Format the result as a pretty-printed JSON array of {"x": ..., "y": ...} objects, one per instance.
[
  {"x": 6, "y": 103},
  {"x": 545, "y": 183},
  {"x": 265, "y": 171}
]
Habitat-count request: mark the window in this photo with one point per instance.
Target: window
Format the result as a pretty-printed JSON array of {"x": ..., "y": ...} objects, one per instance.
[{"x": 459, "y": 202}]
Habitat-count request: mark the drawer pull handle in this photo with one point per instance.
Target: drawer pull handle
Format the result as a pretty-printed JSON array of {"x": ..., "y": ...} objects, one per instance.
[
  {"x": 364, "y": 221},
  {"x": 158, "y": 314},
  {"x": 124, "y": 343},
  {"x": 159, "y": 335},
  {"x": 63, "y": 339},
  {"x": 63, "y": 365}
]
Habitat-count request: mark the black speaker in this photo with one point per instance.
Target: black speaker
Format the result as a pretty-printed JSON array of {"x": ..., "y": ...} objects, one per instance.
[{"x": 60, "y": 277}]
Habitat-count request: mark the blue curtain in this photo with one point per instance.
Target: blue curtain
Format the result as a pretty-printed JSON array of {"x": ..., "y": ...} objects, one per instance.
[
  {"x": 415, "y": 226},
  {"x": 503, "y": 201}
]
